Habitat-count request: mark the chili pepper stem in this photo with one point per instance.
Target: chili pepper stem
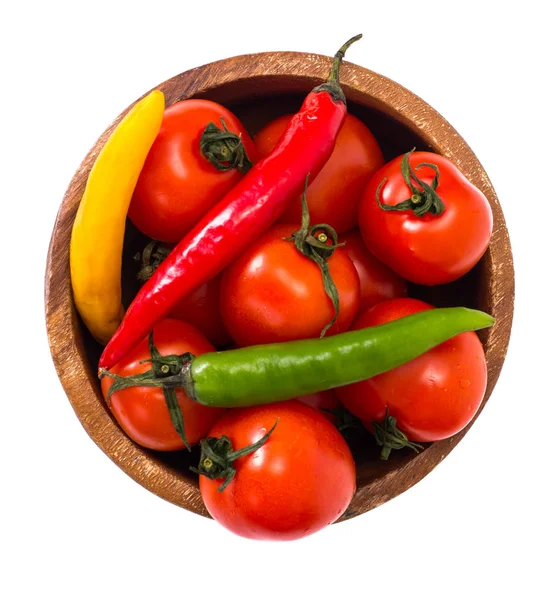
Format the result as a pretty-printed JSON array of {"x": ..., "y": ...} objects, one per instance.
[
  {"x": 332, "y": 85},
  {"x": 338, "y": 57}
]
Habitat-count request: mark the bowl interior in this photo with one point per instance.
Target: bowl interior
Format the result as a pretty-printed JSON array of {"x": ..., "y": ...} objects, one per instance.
[{"x": 257, "y": 101}]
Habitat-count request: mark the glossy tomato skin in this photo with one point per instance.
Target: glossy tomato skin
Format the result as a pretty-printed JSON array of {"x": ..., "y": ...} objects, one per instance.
[
  {"x": 428, "y": 250},
  {"x": 301, "y": 480},
  {"x": 273, "y": 293},
  {"x": 432, "y": 397},
  {"x": 201, "y": 309},
  {"x": 178, "y": 185},
  {"x": 334, "y": 195},
  {"x": 142, "y": 411},
  {"x": 378, "y": 282}
]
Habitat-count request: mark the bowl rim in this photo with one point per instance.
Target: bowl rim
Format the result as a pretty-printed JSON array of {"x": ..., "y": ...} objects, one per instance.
[{"x": 358, "y": 82}]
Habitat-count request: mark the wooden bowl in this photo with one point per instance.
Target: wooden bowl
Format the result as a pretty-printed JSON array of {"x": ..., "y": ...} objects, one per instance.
[{"x": 258, "y": 88}]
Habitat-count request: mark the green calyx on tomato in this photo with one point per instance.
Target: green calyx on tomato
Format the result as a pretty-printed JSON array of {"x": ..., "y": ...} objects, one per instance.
[
  {"x": 218, "y": 456},
  {"x": 390, "y": 437},
  {"x": 224, "y": 149},
  {"x": 313, "y": 242},
  {"x": 424, "y": 199},
  {"x": 167, "y": 372},
  {"x": 343, "y": 419},
  {"x": 152, "y": 256}
]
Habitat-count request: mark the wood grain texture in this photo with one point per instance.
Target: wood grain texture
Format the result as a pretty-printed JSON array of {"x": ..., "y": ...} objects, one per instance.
[{"x": 259, "y": 87}]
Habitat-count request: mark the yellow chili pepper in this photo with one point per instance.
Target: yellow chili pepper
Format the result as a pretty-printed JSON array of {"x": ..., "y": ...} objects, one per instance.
[{"x": 99, "y": 227}]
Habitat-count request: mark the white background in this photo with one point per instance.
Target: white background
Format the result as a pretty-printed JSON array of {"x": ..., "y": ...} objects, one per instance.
[{"x": 73, "y": 524}]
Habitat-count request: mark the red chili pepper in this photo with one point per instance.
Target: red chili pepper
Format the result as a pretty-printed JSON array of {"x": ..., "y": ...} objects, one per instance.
[{"x": 248, "y": 210}]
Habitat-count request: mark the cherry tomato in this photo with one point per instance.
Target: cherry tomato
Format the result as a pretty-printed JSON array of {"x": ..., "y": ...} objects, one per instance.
[
  {"x": 201, "y": 309},
  {"x": 273, "y": 293},
  {"x": 334, "y": 195},
  {"x": 432, "y": 397},
  {"x": 178, "y": 185},
  {"x": 299, "y": 481},
  {"x": 378, "y": 282},
  {"x": 433, "y": 248},
  {"x": 142, "y": 412},
  {"x": 324, "y": 401}
]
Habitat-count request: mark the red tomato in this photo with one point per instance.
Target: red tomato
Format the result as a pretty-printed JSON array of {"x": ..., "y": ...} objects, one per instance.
[
  {"x": 334, "y": 195},
  {"x": 273, "y": 293},
  {"x": 431, "y": 249},
  {"x": 323, "y": 401},
  {"x": 201, "y": 308},
  {"x": 301, "y": 480},
  {"x": 378, "y": 282},
  {"x": 178, "y": 185},
  {"x": 432, "y": 397},
  {"x": 142, "y": 412}
]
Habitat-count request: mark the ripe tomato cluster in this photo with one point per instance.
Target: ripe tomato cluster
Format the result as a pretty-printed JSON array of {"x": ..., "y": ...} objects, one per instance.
[{"x": 283, "y": 470}]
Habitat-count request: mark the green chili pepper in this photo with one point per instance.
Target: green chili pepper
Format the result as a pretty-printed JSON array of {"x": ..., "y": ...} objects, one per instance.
[
  {"x": 274, "y": 372},
  {"x": 269, "y": 373}
]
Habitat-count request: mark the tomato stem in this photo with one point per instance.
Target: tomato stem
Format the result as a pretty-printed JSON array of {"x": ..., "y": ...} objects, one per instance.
[
  {"x": 424, "y": 199},
  {"x": 344, "y": 420},
  {"x": 313, "y": 242},
  {"x": 390, "y": 437},
  {"x": 224, "y": 149},
  {"x": 152, "y": 256},
  {"x": 218, "y": 456},
  {"x": 168, "y": 372}
]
